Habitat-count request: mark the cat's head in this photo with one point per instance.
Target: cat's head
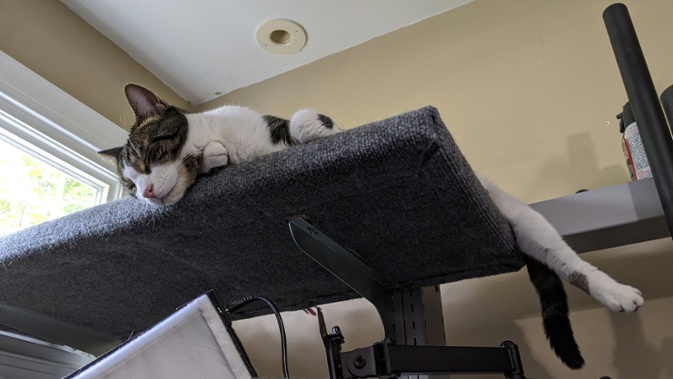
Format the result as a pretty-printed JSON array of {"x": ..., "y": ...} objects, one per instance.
[{"x": 150, "y": 164}]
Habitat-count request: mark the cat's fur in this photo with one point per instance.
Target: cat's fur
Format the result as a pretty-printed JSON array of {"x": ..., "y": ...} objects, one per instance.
[
  {"x": 168, "y": 148},
  {"x": 548, "y": 257}
]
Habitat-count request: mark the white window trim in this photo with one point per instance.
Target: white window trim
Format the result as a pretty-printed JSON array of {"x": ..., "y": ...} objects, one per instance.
[{"x": 57, "y": 123}]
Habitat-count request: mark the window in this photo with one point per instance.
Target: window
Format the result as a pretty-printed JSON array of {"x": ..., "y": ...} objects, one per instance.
[
  {"x": 36, "y": 187},
  {"x": 48, "y": 143}
]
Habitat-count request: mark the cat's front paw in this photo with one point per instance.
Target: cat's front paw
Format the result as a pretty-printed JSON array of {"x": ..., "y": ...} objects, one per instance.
[
  {"x": 214, "y": 155},
  {"x": 618, "y": 297}
]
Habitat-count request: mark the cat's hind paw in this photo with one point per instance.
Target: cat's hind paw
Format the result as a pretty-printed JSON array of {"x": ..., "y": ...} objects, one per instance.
[
  {"x": 617, "y": 297},
  {"x": 306, "y": 126}
]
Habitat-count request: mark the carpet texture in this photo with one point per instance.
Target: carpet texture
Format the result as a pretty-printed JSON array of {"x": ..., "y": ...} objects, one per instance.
[{"x": 397, "y": 191}]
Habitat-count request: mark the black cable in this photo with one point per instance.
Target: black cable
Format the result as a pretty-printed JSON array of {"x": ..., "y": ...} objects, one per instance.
[{"x": 283, "y": 339}]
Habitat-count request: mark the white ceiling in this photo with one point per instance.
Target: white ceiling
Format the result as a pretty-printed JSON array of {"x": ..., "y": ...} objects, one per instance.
[{"x": 205, "y": 48}]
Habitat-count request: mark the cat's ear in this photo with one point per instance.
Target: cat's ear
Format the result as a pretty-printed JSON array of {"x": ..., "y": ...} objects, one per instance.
[
  {"x": 144, "y": 102},
  {"x": 111, "y": 154}
]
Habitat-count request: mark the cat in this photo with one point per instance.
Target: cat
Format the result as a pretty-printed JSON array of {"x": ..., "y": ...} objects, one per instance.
[{"x": 167, "y": 149}]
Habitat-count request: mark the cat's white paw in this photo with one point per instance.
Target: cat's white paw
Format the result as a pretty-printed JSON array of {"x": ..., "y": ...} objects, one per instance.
[
  {"x": 618, "y": 297},
  {"x": 214, "y": 155}
]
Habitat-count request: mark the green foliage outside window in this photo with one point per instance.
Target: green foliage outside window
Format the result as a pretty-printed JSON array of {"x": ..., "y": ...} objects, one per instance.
[{"x": 32, "y": 191}]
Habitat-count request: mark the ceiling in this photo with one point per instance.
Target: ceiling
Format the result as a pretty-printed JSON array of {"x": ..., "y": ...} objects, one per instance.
[{"x": 202, "y": 49}]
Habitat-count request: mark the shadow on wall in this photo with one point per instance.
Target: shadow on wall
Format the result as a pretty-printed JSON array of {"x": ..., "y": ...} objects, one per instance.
[
  {"x": 633, "y": 346},
  {"x": 578, "y": 167}
]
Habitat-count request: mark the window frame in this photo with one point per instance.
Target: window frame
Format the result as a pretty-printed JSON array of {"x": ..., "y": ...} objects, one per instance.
[{"x": 43, "y": 115}]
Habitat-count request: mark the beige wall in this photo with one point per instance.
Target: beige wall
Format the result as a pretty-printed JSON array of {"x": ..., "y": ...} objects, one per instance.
[
  {"x": 45, "y": 36},
  {"x": 526, "y": 87}
]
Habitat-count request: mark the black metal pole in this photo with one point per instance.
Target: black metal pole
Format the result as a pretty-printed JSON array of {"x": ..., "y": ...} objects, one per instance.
[
  {"x": 644, "y": 102},
  {"x": 667, "y": 102},
  {"x": 348, "y": 268}
]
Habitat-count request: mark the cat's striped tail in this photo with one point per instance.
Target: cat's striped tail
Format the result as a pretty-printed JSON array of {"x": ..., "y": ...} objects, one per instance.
[{"x": 554, "y": 303}]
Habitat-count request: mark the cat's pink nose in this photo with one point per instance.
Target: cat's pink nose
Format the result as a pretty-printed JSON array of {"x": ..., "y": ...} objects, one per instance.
[{"x": 149, "y": 192}]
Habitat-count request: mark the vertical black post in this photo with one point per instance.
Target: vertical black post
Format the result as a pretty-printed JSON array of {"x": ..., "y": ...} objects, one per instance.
[
  {"x": 667, "y": 102},
  {"x": 515, "y": 357},
  {"x": 644, "y": 102}
]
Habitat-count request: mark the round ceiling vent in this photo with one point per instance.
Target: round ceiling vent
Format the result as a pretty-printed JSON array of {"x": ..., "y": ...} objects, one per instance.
[{"x": 280, "y": 36}]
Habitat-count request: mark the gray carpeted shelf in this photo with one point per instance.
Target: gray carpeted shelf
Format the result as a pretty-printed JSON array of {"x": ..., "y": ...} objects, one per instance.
[{"x": 398, "y": 192}]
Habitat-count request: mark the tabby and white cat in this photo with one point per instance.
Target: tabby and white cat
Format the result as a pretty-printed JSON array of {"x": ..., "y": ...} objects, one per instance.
[{"x": 168, "y": 148}]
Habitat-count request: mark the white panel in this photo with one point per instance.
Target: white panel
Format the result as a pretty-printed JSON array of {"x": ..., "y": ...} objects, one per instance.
[{"x": 191, "y": 343}]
